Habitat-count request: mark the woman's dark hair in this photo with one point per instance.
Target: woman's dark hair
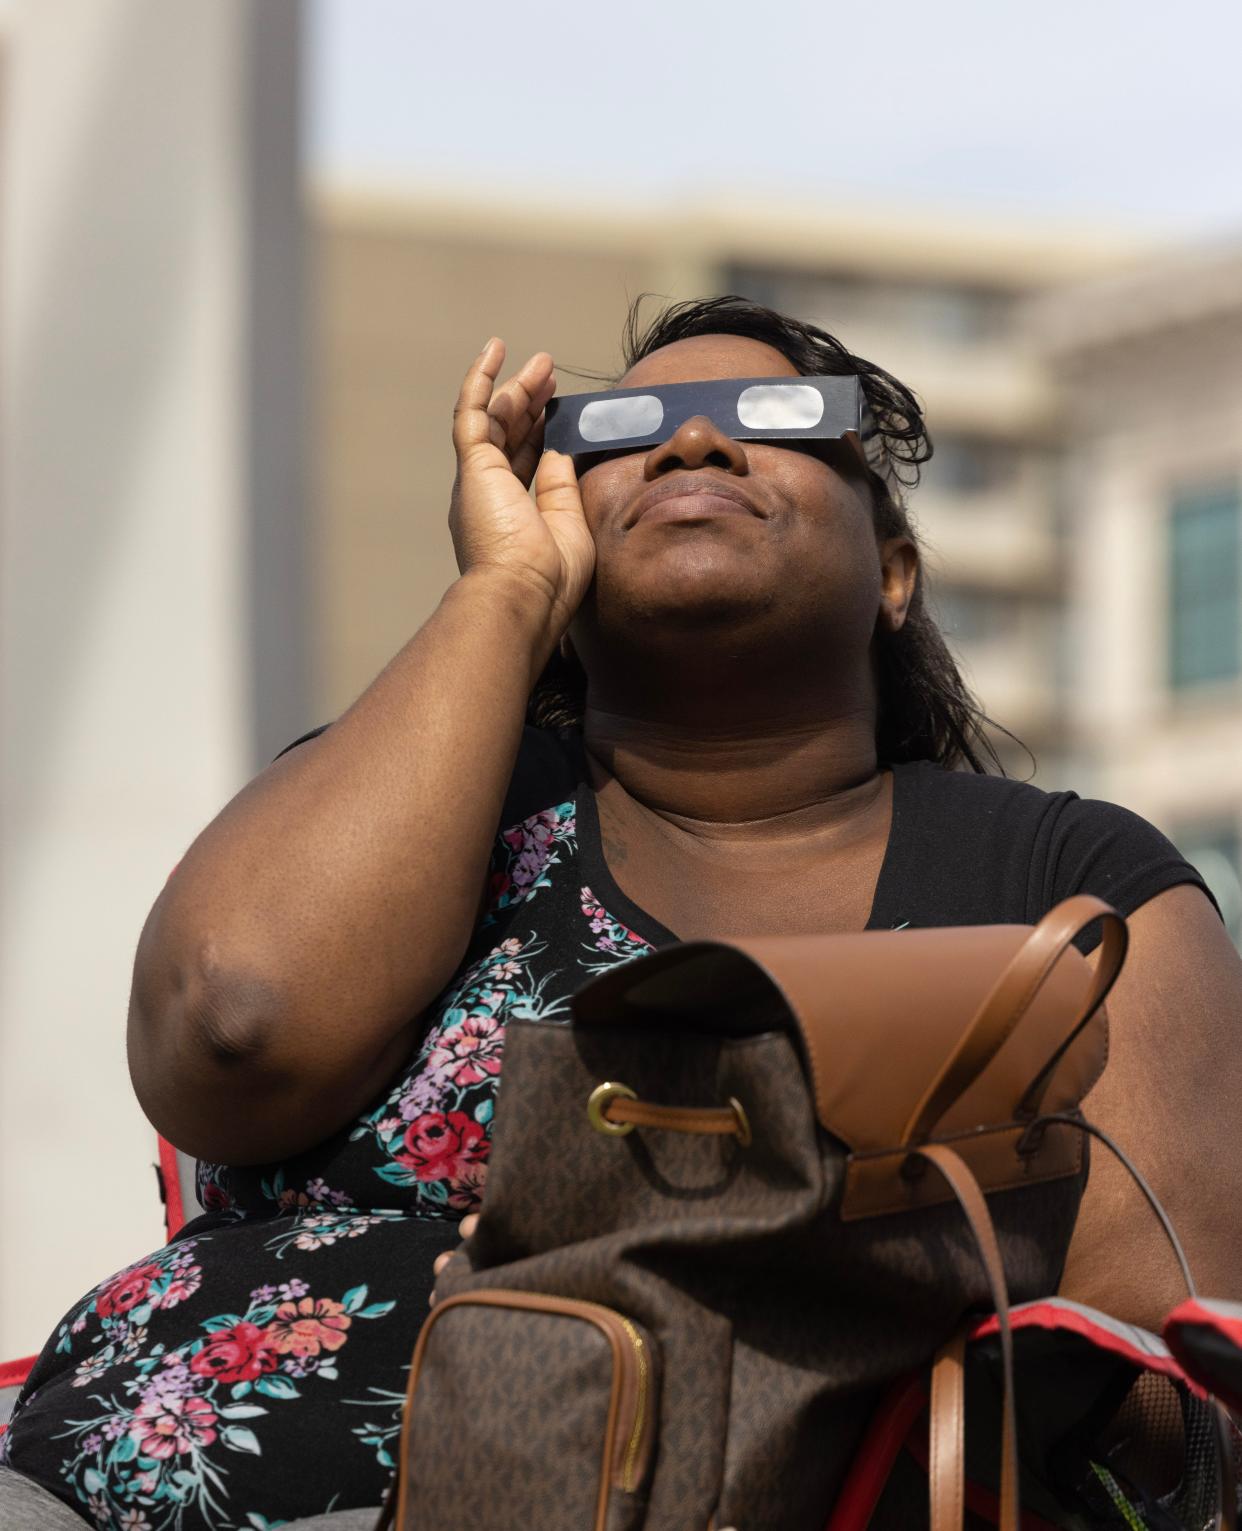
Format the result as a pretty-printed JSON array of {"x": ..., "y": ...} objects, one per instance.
[{"x": 925, "y": 710}]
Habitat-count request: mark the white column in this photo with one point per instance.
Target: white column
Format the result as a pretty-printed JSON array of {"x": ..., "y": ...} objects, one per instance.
[{"x": 149, "y": 447}]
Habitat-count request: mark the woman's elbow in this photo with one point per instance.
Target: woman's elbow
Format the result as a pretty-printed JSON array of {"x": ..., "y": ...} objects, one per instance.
[{"x": 201, "y": 1052}]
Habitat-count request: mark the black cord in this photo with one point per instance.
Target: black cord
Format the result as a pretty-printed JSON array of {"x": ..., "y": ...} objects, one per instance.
[{"x": 1137, "y": 1176}]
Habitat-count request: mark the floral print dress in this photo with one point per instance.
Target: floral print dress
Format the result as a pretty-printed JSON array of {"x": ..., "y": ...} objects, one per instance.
[{"x": 253, "y": 1370}]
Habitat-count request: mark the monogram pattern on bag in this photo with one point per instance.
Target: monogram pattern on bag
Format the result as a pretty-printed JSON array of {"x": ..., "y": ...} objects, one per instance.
[
  {"x": 485, "y": 1370},
  {"x": 779, "y": 1325}
]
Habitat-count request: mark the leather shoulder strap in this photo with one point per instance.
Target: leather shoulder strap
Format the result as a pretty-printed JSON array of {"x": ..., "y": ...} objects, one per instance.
[
  {"x": 946, "y": 1447},
  {"x": 1113, "y": 946},
  {"x": 966, "y": 1188},
  {"x": 1009, "y": 1000}
]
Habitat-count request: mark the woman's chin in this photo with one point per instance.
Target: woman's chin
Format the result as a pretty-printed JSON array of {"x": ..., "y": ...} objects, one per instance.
[{"x": 690, "y": 587}]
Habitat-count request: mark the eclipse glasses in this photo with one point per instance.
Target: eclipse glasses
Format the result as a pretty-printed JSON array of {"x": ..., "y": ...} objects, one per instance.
[{"x": 744, "y": 409}]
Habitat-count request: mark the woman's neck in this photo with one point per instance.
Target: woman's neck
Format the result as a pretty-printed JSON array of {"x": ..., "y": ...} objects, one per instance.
[{"x": 759, "y": 782}]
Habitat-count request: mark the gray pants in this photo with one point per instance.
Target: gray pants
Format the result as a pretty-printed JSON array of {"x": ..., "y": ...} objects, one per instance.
[{"x": 24, "y": 1506}]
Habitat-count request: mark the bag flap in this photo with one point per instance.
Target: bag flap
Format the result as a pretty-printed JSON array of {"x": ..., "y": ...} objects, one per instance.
[{"x": 878, "y": 1013}]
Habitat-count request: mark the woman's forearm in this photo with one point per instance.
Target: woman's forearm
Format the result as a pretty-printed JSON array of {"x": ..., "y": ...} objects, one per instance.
[{"x": 281, "y": 973}]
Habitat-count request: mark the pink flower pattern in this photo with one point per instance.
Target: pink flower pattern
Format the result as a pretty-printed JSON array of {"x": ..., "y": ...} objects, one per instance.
[
  {"x": 173, "y": 1383},
  {"x": 165, "y": 1426},
  {"x": 181, "y": 1407},
  {"x": 459, "y": 1065},
  {"x": 471, "y": 1052}
]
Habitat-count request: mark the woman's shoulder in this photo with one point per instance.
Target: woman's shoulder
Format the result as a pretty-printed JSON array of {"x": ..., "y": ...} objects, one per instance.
[
  {"x": 1026, "y": 848},
  {"x": 1001, "y": 805}
]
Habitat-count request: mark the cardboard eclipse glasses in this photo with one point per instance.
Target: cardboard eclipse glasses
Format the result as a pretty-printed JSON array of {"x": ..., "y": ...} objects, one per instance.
[{"x": 743, "y": 408}]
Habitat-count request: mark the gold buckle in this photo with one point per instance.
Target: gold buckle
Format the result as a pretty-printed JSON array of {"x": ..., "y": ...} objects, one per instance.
[
  {"x": 600, "y": 1098},
  {"x": 742, "y": 1129}
]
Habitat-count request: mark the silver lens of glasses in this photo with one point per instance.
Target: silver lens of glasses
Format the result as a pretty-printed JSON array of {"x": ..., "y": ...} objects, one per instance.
[
  {"x": 621, "y": 418},
  {"x": 780, "y": 407}
]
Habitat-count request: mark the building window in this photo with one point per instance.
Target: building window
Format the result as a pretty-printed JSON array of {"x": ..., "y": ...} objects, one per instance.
[
  {"x": 1205, "y": 586},
  {"x": 1214, "y": 850}
]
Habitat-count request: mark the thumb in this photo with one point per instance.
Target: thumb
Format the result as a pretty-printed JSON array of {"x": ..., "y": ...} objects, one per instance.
[{"x": 556, "y": 484}]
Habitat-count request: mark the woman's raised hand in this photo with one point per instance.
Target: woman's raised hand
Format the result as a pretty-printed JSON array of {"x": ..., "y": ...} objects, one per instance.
[{"x": 498, "y": 437}]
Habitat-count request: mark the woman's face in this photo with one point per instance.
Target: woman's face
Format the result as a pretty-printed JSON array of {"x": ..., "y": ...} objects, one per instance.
[{"x": 768, "y": 540}]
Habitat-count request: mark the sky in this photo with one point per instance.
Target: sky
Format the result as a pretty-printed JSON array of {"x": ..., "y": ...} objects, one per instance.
[{"x": 1072, "y": 110}]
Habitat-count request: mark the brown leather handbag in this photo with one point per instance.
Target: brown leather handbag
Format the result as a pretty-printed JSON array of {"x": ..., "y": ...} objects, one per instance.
[{"x": 743, "y": 1192}]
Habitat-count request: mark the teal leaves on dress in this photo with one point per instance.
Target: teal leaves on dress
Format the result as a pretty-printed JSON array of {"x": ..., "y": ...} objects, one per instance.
[{"x": 152, "y": 1450}]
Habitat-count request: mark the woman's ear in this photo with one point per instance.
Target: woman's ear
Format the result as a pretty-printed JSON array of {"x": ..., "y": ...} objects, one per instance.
[{"x": 899, "y": 573}]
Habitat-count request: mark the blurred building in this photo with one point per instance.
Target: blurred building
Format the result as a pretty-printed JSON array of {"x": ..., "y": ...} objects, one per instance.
[
  {"x": 152, "y": 609},
  {"x": 409, "y": 287},
  {"x": 1149, "y": 366}
]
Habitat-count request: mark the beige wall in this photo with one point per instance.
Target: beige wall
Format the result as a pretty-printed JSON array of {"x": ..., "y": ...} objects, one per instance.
[
  {"x": 399, "y": 318},
  {"x": 132, "y": 210}
]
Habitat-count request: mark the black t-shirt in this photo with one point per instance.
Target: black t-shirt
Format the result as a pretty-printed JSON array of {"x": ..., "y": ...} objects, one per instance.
[
  {"x": 967, "y": 849},
  {"x": 964, "y": 849}
]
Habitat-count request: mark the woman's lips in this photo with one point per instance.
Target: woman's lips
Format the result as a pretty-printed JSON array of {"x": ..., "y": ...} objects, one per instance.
[
  {"x": 698, "y": 496},
  {"x": 695, "y": 507}
]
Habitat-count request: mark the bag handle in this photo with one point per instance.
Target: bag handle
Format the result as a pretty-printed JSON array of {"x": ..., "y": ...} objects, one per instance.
[
  {"x": 1114, "y": 942},
  {"x": 947, "y": 1465},
  {"x": 946, "y": 1444},
  {"x": 1009, "y": 1000}
]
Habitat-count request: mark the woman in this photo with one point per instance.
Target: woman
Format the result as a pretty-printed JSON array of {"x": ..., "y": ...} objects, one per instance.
[{"x": 771, "y": 721}]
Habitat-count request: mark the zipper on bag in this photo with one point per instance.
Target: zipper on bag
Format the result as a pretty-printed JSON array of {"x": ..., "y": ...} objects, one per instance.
[{"x": 628, "y": 1478}]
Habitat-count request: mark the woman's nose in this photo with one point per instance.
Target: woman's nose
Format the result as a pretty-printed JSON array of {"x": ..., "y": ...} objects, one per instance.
[{"x": 696, "y": 443}]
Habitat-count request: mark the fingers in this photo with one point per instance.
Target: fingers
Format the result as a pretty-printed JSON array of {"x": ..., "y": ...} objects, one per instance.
[
  {"x": 526, "y": 458},
  {"x": 502, "y": 417},
  {"x": 556, "y": 484},
  {"x": 471, "y": 422},
  {"x": 516, "y": 408},
  {"x": 466, "y": 1227}
]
